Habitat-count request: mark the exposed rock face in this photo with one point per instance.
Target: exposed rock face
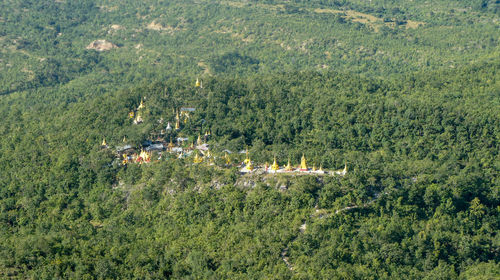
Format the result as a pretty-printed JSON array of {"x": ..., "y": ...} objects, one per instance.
[
  {"x": 159, "y": 27},
  {"x": 101, "y": 45}
]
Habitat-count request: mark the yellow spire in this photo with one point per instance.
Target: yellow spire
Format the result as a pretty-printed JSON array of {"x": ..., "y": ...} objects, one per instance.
[
  {"x": 247, "y": 159},
  {"x": 275, "y": 165},
  {"x": 321, "y": 167},
  {"x": 303, "y": 165},
  {"x": 197, "y": 159},
  {"x": 288, "y": 167},
  {"x": 143, "y": 157},
  {"x": 228, "y": 160},
  {"x": 141, "y": 105},
  {"x": 125, "y": 159},
  {"x": 124, "y": 139},
  {"x": 177, "y": 124},
  {"x": 197, "y": 84},
  {"x": 170, "y": 145},
  {"x": 314, "y": 167},
  {"x": 104, "y": 142},
  {"x": 249, "y": 165},
  {"x": 199, "y": 142}
]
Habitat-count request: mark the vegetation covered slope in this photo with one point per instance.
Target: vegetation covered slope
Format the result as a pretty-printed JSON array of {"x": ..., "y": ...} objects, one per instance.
[
  {"x": 423, "y": 177},
  {"x": 406, "y": 93},
  {"x": 44, "y": 43}
]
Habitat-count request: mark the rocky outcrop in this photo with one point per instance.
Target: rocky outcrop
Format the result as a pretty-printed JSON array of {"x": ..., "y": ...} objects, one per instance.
[{"x": 101, "y": 45}]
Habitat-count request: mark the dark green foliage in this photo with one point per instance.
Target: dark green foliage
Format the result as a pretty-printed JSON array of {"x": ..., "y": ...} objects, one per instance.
[
  {"x": 44, "y": 42},
  {"x": 420, "y": 198},
  {"x": 412, "y": 111}
]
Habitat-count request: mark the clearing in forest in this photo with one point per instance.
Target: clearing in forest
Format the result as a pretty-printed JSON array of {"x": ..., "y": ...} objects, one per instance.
[{"x": 370, "y": 20}]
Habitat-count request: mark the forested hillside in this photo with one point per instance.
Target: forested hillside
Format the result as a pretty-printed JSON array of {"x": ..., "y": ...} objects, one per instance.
[
  {"x": 44, "y": 43},
  {"x": 404, "y": 94},
  {"x": 421, "y": 198}
]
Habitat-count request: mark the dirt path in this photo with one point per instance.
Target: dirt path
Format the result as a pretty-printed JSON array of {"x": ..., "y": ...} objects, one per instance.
[
  {"x": 284, "y": 252},
  {"x": 303, "y": 227}
]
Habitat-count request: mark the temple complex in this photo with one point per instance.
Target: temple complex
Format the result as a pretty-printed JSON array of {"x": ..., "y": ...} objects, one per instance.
[{"x": 127, "y": 154}]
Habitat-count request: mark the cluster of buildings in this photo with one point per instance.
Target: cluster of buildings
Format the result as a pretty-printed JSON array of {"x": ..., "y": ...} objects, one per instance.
[
  {"x": 157, "y": 149},
  {"x": 247, "y": 166},
  {"x": 199, "y": 152}
]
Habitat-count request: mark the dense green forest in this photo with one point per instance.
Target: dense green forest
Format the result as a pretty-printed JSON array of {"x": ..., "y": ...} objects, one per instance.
[
  {"x": 43, "y": 43},
  {"x": 407, "y": 94},
  {"x": 423, "y": 152}
]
